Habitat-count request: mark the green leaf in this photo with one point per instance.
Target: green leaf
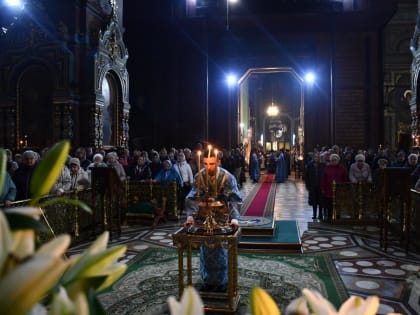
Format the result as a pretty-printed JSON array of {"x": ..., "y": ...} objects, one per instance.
[
  {"x": 73, "y": 202},
  {"x": 24, "y": 222},
  {"x": 3, "y": 163},
  {"x": 114, "y": 273},
  {"x": 95, "y": 307},
  {"x": 84, "y": 285},
  {"x": 92, "y": 265},
  {"x": 48, "y": 170}
]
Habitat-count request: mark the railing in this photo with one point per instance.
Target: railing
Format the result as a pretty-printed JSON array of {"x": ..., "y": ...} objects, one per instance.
[
  {"x": 356, "y": 203},
  {"x": 65, "y": 218},
  {"x": 415, "y": 219},
  {"x": 363, "y": 203},
  {"x": 143, "y": 196}
]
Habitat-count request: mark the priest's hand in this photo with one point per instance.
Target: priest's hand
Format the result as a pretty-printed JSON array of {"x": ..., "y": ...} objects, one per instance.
[
  {"x": 235, "y": 224},
  {"x": 188, "y": 222}
]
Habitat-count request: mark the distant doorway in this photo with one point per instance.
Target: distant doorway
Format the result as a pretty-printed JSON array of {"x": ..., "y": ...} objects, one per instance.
[
  {"x": 271, "y": 109},
  {"x": 35, "y": 109},
  {"x": 110, "y": 92}
]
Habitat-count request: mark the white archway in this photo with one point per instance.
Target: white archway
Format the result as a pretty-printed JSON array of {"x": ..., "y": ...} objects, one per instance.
[{"x": 251, "y": 123}]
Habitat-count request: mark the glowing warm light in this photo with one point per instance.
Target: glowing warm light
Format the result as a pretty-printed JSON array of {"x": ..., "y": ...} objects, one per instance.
[
  {"x": 272, "y": 110},
  {"x": 233, "y": 1}
]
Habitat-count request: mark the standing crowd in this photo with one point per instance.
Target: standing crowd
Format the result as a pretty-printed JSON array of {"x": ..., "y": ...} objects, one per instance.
[
  {"x": 327, "y": 165},
  {"x": 167, "y": 166},
  {"x": 321, "y": 168}
]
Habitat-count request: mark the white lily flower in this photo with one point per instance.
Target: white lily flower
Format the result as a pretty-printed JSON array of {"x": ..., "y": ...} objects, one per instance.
[
  {"x": 61, "y": 304},
  {"x": 82, "y": 304},
  {"x": 28, "y": 283},
  {"x": 190, "y": 304},
  {"x": 5, "y": 241},
  {"x": 298, "y": 306},
  {"x": 56, "y": 247},
  {"x": 356, "y": 305},
  {"x": 98, "y": 245},
  {"x": 38, "y": 309},
  {"x": 318, "y": 304},
  {"x": 23, "y": 243},
  {"x": 34, "y": 212}
]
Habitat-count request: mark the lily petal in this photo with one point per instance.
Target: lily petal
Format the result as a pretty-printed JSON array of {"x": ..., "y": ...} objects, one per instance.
[
  {"x": 298, "y": 306},
  {"x": 82, "y": 305},
  {"x": 261, "y": 303},
  {"x": 34, "y": 212},
  {"x": 6, "y": 241},
  {"x": 114, "y": 273},
  {"x": 99, "y": 244},
  {"x": 17, "y": 291},
  {"x": 61, "y": 304},
  {"x": 190, "y": 304},
  {"x": 93, "y": 264},
  {"x": 359, "y": 306},
  {"x": 318, "y": 304},
  {"x": 56, "y": 247},
  {"x": 23, "y": 243}
]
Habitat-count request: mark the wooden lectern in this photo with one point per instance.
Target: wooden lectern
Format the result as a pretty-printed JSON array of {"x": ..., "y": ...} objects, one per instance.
[
  {"x": 225, "y": 302},
  {"x": 106, "y": 190},
  {"x": 396, "y": 204}
]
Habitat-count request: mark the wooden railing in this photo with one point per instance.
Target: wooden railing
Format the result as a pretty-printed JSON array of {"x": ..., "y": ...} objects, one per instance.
[
  {"x": 415, "y": 219},
  {"x": 363, "y": 204},
  {"x": 144, "y": 197},
  {"x": 65, "y": 218},
  {"x": 356, "y": 203}
]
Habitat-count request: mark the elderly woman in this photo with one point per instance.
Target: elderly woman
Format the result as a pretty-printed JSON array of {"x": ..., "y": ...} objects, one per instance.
[
  {"x": 332, "y": 172},
  {"x": 22, "y": 176},
  {"x": 168, "y": 174},
  {"x": 98, "y": 161},
  {"x": 360, "y": 171},
  {"x": 112, "y": 161},
  {"x": 8, "y": 193},
  {"x": 79, "y": 177}
]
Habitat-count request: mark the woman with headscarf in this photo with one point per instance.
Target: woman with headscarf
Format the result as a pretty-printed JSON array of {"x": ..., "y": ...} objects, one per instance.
[
  {"x": 22, "y": 176},
  {"x": 112, "y": 161},
  {"x": 360, "y": 171},
  {"x": 333, "y": 172}
]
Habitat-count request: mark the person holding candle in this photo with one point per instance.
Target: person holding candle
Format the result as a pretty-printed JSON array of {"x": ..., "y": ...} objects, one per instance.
[{"x": 213, "y": 183}]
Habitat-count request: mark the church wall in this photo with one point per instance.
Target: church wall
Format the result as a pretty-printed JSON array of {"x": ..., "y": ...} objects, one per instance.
[
  {"x": 357, "y": 82},
  {"x": 62, "y": 37},
  {"x": 397, "y": 60}
]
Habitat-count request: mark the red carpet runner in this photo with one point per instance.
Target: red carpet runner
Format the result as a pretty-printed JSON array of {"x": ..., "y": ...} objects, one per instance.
[{"x": 258, "y": 204}]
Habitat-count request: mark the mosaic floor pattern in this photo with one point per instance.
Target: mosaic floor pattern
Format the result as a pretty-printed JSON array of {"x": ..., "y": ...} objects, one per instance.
[{"x": 363, "y": 267}]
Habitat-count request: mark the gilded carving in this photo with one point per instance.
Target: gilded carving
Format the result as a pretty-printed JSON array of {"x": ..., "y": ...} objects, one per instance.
[
  {"x": 112, "y": 57},
  {"x": 415, "y": 68}
]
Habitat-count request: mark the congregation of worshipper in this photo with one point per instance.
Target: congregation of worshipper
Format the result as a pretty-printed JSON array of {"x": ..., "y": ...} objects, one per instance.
[{"x": 228, "y": 145}]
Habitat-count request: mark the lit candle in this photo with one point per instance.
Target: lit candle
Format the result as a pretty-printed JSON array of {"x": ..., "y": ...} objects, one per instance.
[
  {"x": 207, "y": 180},
  {"x": 215, "y": 181},
  {"x": 209, "y": 147},
  {"x": 199, "y": 174}
]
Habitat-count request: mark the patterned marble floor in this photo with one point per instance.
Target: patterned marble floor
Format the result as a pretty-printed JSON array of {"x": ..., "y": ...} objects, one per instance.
[{"x": 363, "y": 267}]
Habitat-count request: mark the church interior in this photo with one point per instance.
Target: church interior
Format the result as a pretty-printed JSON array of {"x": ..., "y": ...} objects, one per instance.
[{"x": 268, "y": 84}]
